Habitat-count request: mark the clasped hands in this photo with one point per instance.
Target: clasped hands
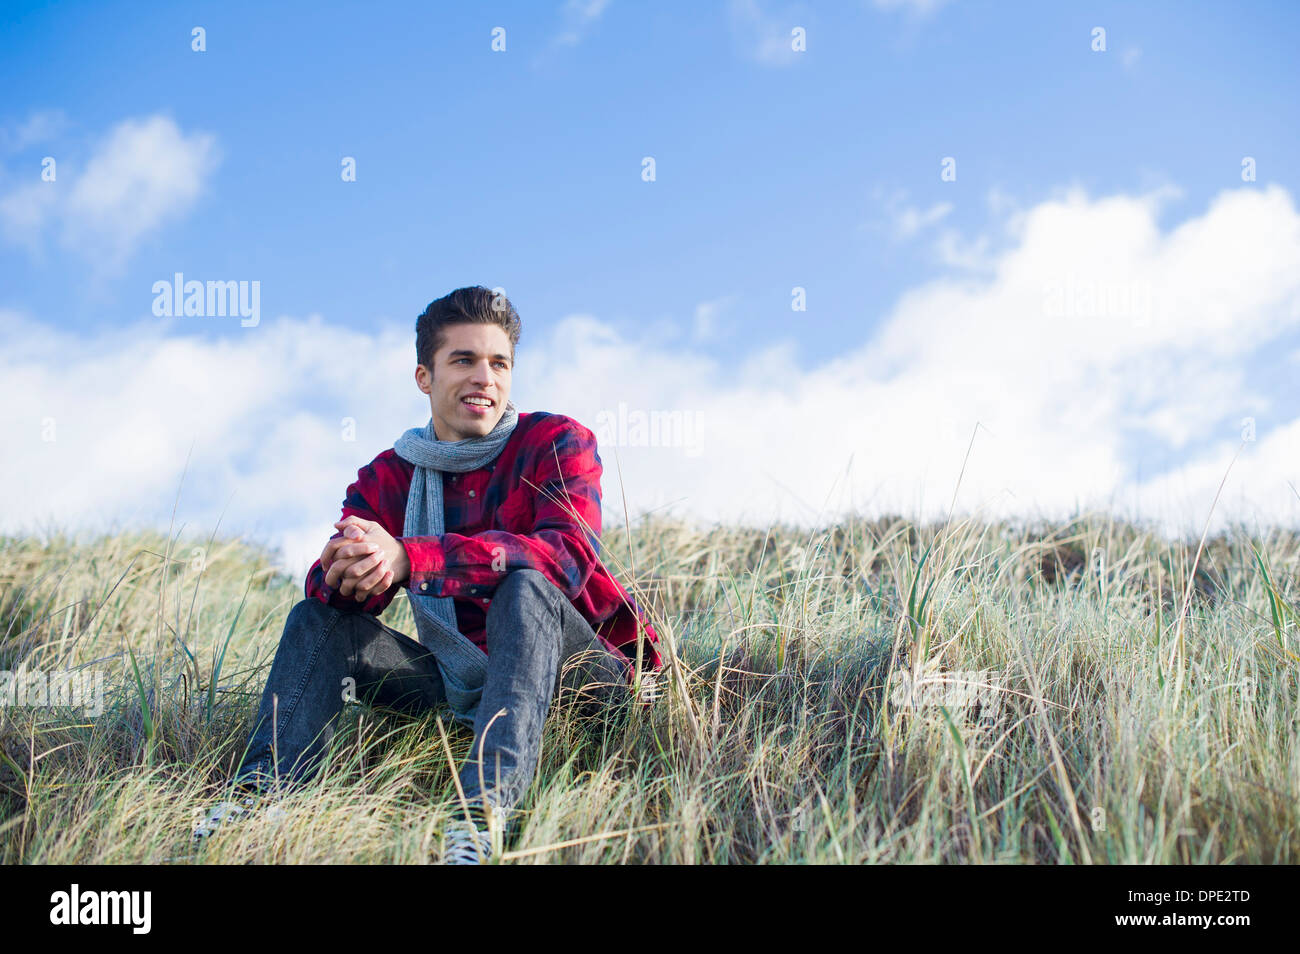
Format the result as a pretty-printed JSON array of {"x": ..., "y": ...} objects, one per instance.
[{"x": 365, "y": 561}]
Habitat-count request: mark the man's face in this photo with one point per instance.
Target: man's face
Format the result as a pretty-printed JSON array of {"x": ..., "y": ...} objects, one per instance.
[{"x": 469, "y": 383}]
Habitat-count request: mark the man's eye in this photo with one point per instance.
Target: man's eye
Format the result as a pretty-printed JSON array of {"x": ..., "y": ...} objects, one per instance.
[{"x": 499, "y": 364}]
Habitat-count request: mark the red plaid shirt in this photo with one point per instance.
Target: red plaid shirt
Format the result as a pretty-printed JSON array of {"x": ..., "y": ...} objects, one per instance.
[{"x": 518, "y": 511}]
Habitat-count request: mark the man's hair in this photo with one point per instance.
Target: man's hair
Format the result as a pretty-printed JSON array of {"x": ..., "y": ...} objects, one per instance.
[{"x": 474, "y": 305}]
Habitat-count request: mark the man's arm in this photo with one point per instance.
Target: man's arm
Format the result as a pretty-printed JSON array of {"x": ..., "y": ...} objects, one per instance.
[
  {"x": 562, "y": 543},
  {"x": 362, "y": 500}
]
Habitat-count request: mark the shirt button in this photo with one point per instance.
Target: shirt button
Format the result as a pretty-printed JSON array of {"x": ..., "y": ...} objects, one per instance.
[
  {"x": 487, "y": 600},
  {"x": 424, "y": 586},
  {"x": 471, "y": 493}
]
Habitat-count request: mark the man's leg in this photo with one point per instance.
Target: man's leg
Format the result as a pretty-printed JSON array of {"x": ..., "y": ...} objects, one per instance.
[
  {"x": 532, "y": 632},
  {"x": 321, "y": 647}
]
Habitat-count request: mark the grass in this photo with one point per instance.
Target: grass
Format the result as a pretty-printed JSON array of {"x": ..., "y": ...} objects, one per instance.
[{"x": 1146, "y": 708}]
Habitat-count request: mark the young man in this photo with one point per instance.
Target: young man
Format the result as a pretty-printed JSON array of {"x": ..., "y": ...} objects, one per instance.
[{"x": 490, "y": 520}]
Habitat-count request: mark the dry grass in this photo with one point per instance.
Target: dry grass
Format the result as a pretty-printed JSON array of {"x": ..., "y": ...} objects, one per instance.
[{"x": 1149, "y": 712}]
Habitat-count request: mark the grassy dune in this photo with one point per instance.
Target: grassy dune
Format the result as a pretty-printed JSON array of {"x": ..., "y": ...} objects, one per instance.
[{"x": 1131, "y": 710}]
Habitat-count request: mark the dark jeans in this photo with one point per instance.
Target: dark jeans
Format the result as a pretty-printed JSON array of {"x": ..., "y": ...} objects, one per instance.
[{"x": 533, "y": 631}]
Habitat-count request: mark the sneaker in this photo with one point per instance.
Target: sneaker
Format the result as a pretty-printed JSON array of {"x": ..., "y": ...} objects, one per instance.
[
  {"x": 466, "y": 844},
  {"x": 650, "y": 690},
  {"x": 224, "y": 813},
  {"x": 220, "y": 814}
]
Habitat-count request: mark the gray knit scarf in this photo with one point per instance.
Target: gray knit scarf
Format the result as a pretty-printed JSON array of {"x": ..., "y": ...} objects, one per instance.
[{"x": 463, "y": 664}]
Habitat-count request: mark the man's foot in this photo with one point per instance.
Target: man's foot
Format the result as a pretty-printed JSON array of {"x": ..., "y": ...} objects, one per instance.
[
  {"x": 465, "y": 843},
  {"x": 223, "y": 813},
  {"x": 238, "y": 808}
]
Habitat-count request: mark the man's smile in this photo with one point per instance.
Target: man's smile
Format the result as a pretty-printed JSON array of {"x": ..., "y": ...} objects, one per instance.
[{"x": 477, "y": 404}]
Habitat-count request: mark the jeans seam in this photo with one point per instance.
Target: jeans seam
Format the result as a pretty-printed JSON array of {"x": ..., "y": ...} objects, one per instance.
[
  {"x": 560, "y": 656},
  {"x": 307, "y": 672}
]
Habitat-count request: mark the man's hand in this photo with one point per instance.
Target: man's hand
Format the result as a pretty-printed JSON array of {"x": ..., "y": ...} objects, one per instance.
[
  {"x": 334, "y": 551},
  {"x": 366, "y": 559},
  {"x": 345, "y": 553}
]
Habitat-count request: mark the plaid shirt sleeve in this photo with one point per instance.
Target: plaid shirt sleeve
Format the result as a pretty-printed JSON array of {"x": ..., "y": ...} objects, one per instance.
[
  {"x": 563, "y": 545},
  {"x": 365, "y": 498}
]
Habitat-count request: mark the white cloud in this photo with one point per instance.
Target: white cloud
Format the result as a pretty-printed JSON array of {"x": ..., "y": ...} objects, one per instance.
[
  {"x": 709, "y": 317},
  {"x": 40, "y": 127},
  {"x": 25, "y": 210},
  {"x": 956, "y": 252},
  {"x": 904, "y": 221},
  {"x": 1072, "y": 379},
  {"x": 999, "y": 202},
  {"x": 910, "y": 220},
  {"x": 144, "y": 174},
  {"x": 262, "y": 410},
  {"x": 764, "y": 37},
  {"x": 579, "y": 16}
]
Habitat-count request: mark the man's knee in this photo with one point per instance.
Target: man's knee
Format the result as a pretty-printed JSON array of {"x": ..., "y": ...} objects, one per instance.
[
  {"x": 519, "y": 588},
  {"x": 514, "y": 613},
  {"x": 309, "y": 619},
  {"x": 524, "y": 581},
  {"x": 311, "y": 612}
]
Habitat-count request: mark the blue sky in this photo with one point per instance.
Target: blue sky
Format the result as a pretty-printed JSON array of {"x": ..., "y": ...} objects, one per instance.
[{"x": 774, "y": 169}]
